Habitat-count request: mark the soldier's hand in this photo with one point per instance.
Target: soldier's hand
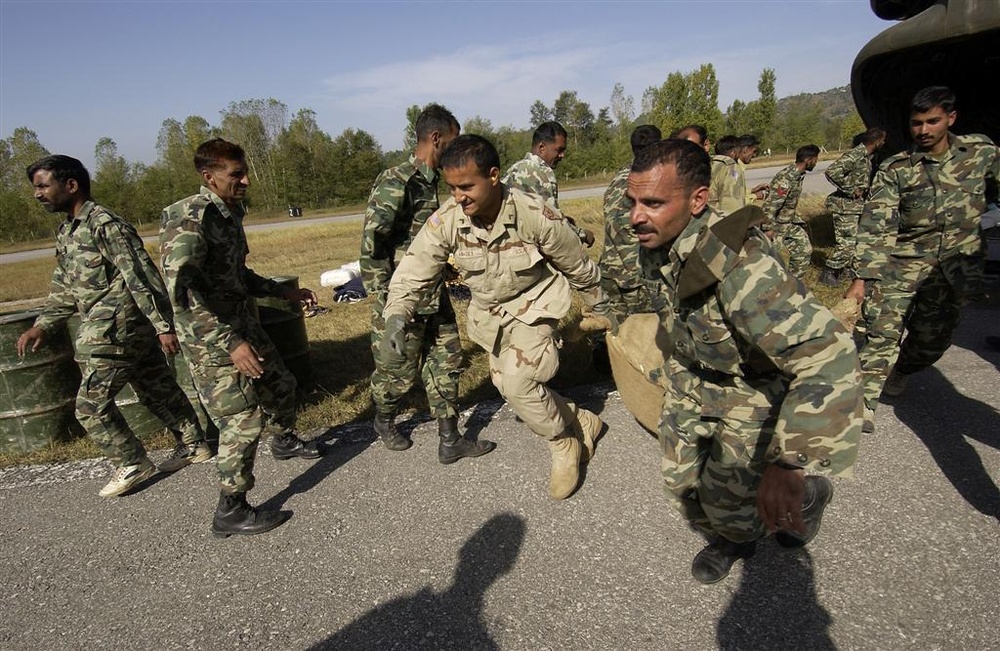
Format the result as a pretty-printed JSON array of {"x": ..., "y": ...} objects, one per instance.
[
  {"x": 856, "y": 290},
  {"x": 32, "y": 337},
  {"x": 306, "y": 297},
  {"x": 779, "y": 499},
  {"x": 604, "y": 313},
  {"x": 588, "y": 237},
  {"x": 394, "y": 338},
  {"x": 247, "y": 360},
  {"x": 168, "y": 343}
]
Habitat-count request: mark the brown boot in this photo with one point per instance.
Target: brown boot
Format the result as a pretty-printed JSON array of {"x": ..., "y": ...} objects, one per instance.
[
  {"x": 565, "y": 465},
  {"x": 589, "y": 427}
]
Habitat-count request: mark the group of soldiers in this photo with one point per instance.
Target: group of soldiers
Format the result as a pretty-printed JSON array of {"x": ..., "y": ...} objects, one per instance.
[{"x": 760, "y": 383}]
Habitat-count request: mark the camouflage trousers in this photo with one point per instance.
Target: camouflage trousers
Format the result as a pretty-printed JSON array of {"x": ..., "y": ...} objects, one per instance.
[
  {"x": 845, "y": 230},
  {"x": 712, "y": 468},
  {"x": 795, "y": 240},
  {"x": 433, "y": 352},
  {"x": 625, "y": 301},
  {"x": 244, "y": 408},
  {"x": 522, "y": 361},
  {"x": 923, "y": 296},
  {"x": 145, "y": 368}
]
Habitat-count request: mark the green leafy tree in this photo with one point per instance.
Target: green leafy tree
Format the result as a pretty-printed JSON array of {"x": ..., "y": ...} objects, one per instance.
[
  {"x": 539, "y": 113},
  {"x": 21, "y": 216}
]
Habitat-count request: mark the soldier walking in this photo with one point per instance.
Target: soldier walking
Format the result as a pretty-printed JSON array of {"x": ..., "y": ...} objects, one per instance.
[
  {"x": 241, "y": 379},
  {"x": 401, "y": 201},
  {"x": 780, "y": 209},
  {"x": 851, "y": 174},
  {"x": 519, "y": 260},
  {"x": 104, "y": 273},
  {"x": 919, "y": 251},
  {"x": 762, "y": 382}
]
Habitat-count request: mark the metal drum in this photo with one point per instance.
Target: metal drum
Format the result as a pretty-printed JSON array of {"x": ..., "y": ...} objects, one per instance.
[
  {"x": 37, "y": 393},
  {"x": 284, "y": 323}
]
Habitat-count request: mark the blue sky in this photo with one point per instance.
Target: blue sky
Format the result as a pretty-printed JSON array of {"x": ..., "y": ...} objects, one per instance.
[{"x": 76, "y": 71}]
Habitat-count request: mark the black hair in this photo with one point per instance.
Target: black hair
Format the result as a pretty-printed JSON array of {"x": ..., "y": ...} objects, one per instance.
[
  {"x": 931, "y": 97},
  {"x": 433, "y": 118},
  {"x": 470, "y": 147},
  {"x": 547, "y": 132},
  {"x": 63, "y": 168},
  {"x": 212, "y": 154},
  {"x": 694, "y": 167},
  {"x": 805, "y": 152},
  {"x": 643, "y": 136},
  {"x": 725, "y": 145}
]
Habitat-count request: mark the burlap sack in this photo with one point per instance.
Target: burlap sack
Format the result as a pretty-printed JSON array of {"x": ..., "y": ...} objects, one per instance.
[
  {"x": 847, "y": 311},
  {"x": 634, "y": 354}
]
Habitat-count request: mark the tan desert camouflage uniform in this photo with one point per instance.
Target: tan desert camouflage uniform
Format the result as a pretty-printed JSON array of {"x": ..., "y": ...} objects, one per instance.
[
  {"x": 520, "y": 272},
  {"x": 727, "y": 191},
  {"x": 920, "y": 251},
  {"x": 104, "y": 273},
  {"x": 851, "y": 174},
  {"x": 203, "y": 251},
  {"x": 401, "y": 200},
  {"x": 758, "y": 371},
  {"x": 780, "y": 214}
]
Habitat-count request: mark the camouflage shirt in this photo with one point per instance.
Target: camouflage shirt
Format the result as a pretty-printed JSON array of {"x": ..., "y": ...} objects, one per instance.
[
  {"x": 401, "y": 200},
  {"x": 203, "y": 251},
  {"x": 619, "y": 262},
  {"x": 746, "y": 340},
  {"x": 851, "y": 175},
  {"x": 727, "y": 191},
  {"x": 927, "y": 206},
  {"x": 532, "y": 175},
  {"x": 783, "y": 196},
  {"x": 522, "y": 267},
  {"x": 104, "y": 273}
]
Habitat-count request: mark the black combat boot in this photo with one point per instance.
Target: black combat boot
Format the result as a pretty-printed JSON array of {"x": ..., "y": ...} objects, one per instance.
[
  {"x": 391, "y": 438},
  {"x": 713, "y": 563},
  {"x": 830, "y": 277},
  {"x": 453, "y": 447},
  {"x": 287, "y": 445},
  {"x": 234, "y": 517},
  {"x": 819, "y": 492}
]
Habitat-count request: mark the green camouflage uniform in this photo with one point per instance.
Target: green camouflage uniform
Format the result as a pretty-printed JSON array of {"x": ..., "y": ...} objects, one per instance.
[
  {"x": 104, "y": 273},
  {"x": 727, "y": 191},
  {"x": 851, "y": 175},
  {"x": 780, "y": 213},
  {"x": 758, "y": 371},
  {"x": 401, "y": 201},
  {"x": 920, "y": 251},
  {"x": 520, "y": 272},
  {"x": 621, "y": 279},
  {"x": 533, "y": 175},
  {"x": 203, "y": 251}
]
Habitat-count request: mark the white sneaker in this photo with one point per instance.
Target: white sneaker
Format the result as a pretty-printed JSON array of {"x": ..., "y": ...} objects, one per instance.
[
  {"x": 868, "y": 426},
  {"x": 895, "y": 385},
  {"x": 128, "y": 477},
  {"x": 185, "y": 454}
]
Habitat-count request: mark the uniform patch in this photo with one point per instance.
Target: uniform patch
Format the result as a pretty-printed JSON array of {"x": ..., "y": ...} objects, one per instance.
[
  {"x": 551, "y": 214},
  {"x": 434, "y": 221}
]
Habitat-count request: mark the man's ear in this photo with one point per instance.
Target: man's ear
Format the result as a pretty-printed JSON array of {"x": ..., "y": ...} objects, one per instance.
[
  {"x": 494, "y": 176},
  {"x": 72, "y": 186},
  {"x": 699, "y": 199}
]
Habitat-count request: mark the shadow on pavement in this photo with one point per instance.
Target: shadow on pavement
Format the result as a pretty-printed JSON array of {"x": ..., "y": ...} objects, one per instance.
[
  {"x": 348, "y": 441},
  {"x": 775, "y": 606},
  {"x": 944, "y": 424},
  {"x": 447, "y": 620}
]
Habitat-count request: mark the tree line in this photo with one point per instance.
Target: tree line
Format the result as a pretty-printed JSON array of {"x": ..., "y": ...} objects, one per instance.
[{"x": 293, "y": 162}]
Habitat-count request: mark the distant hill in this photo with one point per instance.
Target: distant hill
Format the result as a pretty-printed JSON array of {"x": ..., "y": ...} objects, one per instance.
[{"x": 836, "y": 102}]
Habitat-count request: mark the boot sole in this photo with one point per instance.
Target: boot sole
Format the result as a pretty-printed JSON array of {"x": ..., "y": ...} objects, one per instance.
[{"x": 226, "y": 534}]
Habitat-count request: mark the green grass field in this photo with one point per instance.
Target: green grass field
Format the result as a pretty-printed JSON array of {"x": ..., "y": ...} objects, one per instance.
[{"x": 339, "y": 339}]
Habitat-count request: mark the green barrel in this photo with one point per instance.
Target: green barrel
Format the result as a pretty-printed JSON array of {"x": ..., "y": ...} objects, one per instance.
[
  {"x": 141, "y": 420},
  {"x": 285, "y": 324},
  {"x": 38, "y": 392}
]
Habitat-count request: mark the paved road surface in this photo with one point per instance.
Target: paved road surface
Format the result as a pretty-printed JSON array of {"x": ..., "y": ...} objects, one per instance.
[
  {"x": 390, "y": 550},
  {"x": 815, "y": 182}
]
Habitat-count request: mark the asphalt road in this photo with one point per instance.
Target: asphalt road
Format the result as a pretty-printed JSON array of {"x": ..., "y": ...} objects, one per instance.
[
  {"x": 814, "y": 182},
  {"x": 390, "y": 550}
]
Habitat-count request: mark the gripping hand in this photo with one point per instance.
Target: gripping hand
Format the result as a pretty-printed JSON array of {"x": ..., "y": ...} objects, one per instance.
[{"x": 394, "y": 338}]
